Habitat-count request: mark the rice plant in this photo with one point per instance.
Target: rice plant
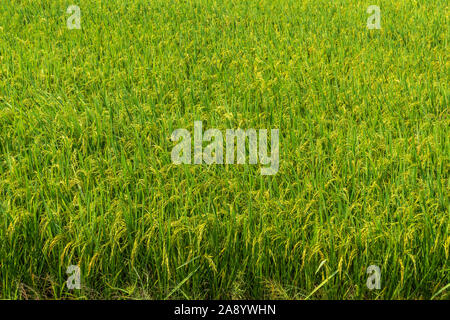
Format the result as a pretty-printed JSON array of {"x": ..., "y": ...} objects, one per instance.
[{"x": 86, "y": 176}]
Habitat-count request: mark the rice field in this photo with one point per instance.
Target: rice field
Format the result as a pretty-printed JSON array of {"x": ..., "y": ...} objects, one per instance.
[{"x": 86, "y": 176}]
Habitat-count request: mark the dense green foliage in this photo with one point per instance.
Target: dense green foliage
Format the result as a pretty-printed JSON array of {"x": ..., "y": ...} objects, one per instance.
[{"x": 86, "y": 176}]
